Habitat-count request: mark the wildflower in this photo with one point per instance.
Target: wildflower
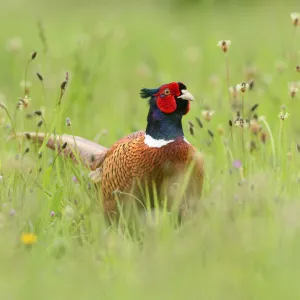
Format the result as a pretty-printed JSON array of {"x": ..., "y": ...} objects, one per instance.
[
  {"x": 28, "y": 238},
  {"x": 233, "y": 91},
  {"x": 283, "y": 115},
  {"x": 1, "y": 178},
  {"x": 293, "y": 89},
  {"x": 241, "y": 122},
  {"x": 237, "y": 164},
  {"x": 12, "y": 212},
  {"x": 295, "y": 18},
  {"x": 74, "y": 179},
  {"x": 52, "y": 214},
  {"x": 242, "y": 87},
  {"x": 68, "y": 122},
  {"x": 24, "y": 102},
  {"x": 207, "y": 114},
  {"x": 224, "y": 45}
]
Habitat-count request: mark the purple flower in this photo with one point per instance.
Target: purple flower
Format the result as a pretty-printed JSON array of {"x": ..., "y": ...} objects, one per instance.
[
  {"x": 237, "y": 164},
  {"x": 12, "y": 212},
  {"x": 52, "y": 214},
  {"x": 75, "y": 180}
]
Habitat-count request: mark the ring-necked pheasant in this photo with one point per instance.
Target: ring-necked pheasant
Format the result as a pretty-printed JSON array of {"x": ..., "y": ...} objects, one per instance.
[{"x": 159, "y": 155}]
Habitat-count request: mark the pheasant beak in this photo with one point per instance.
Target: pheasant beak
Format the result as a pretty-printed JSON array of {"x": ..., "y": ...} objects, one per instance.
[{"x": 185, "y": 95}]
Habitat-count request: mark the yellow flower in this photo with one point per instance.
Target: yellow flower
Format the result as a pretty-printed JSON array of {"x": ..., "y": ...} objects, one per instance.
[{"x": 28, "y": 238}]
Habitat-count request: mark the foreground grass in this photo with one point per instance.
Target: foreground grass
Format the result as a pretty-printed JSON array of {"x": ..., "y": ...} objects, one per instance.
[{"x": 242, "y": 244}]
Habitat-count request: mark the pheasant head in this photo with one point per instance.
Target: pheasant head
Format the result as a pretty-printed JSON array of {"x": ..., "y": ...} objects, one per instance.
[{"x": 168, "y": 104}]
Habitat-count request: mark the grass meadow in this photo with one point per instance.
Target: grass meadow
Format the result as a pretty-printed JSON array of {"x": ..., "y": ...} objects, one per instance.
[{"x": 244, "y": 242}]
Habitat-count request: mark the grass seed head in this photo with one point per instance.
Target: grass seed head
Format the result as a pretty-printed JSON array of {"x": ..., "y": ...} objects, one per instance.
[
  {"x": 242, "y": 87},
  {"x": 199, "y": 122},
  {"x": 40, "y": 77},
  {"x": 293, "y": 89},
  {"x": 38, "y": 113},
  {"x": 224, "y": 45},
  {"x": 210, "y": 133},
  {"x": 68, "y": 122},
  {"x": 33, "y": 55},
  {"x": 295, "y": 18},
  {"x": 191, "y": 130},
  {"x": 64, "y": 146},
  {"x": 207, "y": 114}
]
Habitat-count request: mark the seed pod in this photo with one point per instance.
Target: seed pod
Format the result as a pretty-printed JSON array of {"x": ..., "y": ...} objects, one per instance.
[
  {"x": 254, "y": 107},
  {"x": 199, "y": 122},
  {"x": 191, "y": 123},
  {"x": 38, "y": 113},
  {"x": 191, "y": 130},
  {"x": 64, "y": 146},
  {"x": 40, "y": 123},
  {"x": 40, "y": 77},
  {"x": 33, "y": 55}
]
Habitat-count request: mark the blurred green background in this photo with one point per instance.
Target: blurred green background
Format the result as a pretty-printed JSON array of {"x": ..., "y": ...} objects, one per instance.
[{"x": 244, "y": 243}]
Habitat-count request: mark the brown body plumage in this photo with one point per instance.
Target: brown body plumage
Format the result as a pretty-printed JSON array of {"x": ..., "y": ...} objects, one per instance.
[{"x": 131, "y": 166}]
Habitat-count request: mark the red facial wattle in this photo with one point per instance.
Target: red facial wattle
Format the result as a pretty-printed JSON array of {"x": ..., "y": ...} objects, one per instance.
[
  {"x": 168, "y": 94},
  {"x": 166, "y": 104}
]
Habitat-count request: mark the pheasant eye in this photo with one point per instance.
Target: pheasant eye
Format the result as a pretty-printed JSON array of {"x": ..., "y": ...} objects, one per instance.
[{"x": 167, "y": 91}]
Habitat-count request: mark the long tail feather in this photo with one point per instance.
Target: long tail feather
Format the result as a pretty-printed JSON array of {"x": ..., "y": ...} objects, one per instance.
[{"x": 91, "y": 154}]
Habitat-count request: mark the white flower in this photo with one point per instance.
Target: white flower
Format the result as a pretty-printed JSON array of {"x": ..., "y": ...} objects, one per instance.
[
  {"x": 242, "y": 87},
  {"x": 283, "y": 115},
  {"x": 262, "y": 118},
  {"x": 207, "y": 114},
  {"x": 241, "y": 122},
  {"x": 224, "y": 45},
  {"x": 295, "y": 18},
  {"x": 1, "y": 178},
  {"x": 293, "y": 87}
]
